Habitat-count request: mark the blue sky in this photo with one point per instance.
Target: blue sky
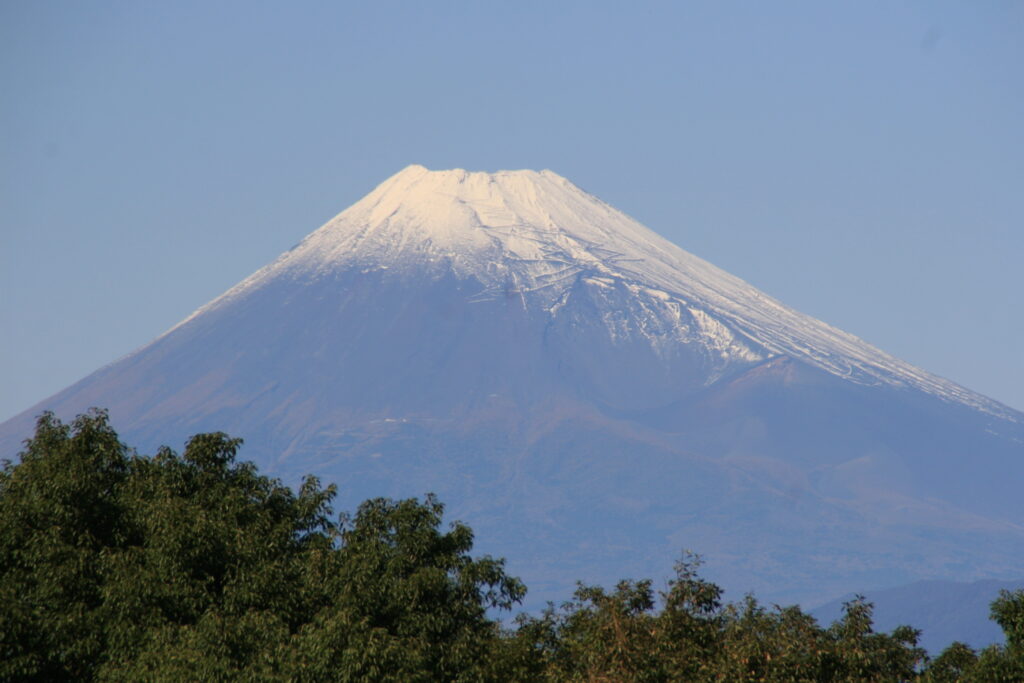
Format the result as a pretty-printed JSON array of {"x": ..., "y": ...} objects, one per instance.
[{"x": 862, "y": 162}]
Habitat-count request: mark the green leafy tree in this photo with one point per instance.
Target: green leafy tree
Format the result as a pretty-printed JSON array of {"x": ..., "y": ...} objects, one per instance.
[
  {"x": 996, "y": 663},
  {"x": 860, "y": 654},
  {"x": 691, "y": 622},
  {"x": 58, "y": 514},
  {"x": 216, "y": 571},
  {"x": 115, "y": 566},
  {"x": 1003, "y": 662},
  {"x": 618, "y": 635},
  {"x": 780, "y": 644},
  {"x": 953, "y": 664},
  {"x": 409, "y": 604},
  {"x": 1008, "y": 612},
  {"x": 621, "y": 636},
  {"x": 601, "y": 635}
]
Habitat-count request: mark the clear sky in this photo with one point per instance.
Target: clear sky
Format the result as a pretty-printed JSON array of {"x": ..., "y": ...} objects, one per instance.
[{"x": 863, "y": 162}]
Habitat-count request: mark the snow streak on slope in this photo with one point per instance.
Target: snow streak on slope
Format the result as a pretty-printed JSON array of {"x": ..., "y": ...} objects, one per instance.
[{"x": 537, "y": 237}]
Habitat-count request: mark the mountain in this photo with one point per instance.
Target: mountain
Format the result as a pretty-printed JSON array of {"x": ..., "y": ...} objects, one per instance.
[{"x": 589, "y": 397}]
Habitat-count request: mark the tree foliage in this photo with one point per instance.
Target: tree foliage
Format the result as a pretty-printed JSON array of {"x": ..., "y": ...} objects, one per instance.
[
  {"x": 996, "y": 662},
  {"x": 622, "y": 636},
  {"x": 116, "y": 566}
]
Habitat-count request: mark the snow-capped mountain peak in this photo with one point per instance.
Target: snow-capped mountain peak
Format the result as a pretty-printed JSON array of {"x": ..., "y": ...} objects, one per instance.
[{"x": 537, "y": 236}]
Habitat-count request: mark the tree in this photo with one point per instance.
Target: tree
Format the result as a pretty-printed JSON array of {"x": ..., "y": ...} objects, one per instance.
[
  {"x": 408, "y": 602},
  {"x": 58, "y": 512},
  {"x": 860, "y": 654},
  {"x": 958, "y": 662},
  {"x": 1003, "y": 662},
  {"x": 953, "y": 664},
  {"x": 195, "y": 567},
  {"x": 620, "y": 636},
  {"x": 599, "y": 635},
  {"x": 1008, "y": 612}
]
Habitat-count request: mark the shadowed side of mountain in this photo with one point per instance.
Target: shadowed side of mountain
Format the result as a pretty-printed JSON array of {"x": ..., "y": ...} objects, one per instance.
[{"x": 852, "y": 441}]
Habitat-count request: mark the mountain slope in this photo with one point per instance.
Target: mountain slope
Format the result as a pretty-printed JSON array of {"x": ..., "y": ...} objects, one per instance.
[{"x": 588, "y": 396}]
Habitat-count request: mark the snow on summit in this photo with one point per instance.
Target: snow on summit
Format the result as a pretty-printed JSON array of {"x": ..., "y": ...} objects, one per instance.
[{"x": 538, "y": 237}]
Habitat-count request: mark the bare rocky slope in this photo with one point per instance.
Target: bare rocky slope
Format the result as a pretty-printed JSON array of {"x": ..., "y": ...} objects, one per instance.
[{"x": 589, "y": 397}]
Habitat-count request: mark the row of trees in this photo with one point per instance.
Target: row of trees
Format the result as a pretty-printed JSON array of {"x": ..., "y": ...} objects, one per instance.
[{"x": 115, "y": 566}]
